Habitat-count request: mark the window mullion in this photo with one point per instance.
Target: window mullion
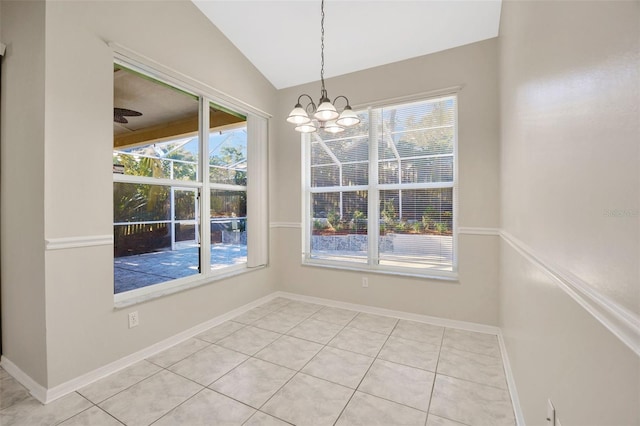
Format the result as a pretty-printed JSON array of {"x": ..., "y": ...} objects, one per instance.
[
  {"x": 306, "y": 190},
  {"x": 373, "y": 232},
  {"x": 205, "y": 193}
]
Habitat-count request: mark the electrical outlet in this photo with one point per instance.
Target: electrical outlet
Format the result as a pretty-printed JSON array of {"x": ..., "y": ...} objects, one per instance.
[
  {"x": 134, "y": 320},
  {"x": 551, "y": 414},
  {"x": 365, "y": 282}
]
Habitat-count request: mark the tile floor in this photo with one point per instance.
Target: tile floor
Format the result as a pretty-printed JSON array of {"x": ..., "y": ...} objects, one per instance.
[{"x": 291, "y": 362}]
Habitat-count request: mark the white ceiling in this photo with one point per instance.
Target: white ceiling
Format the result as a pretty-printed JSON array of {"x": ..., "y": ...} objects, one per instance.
[{"x": 282, "y": 37}]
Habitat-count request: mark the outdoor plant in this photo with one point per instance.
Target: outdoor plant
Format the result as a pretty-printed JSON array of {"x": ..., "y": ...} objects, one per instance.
[
  {"x": 402, "y": 226},
  {"x": 358, "y": 216},
  {"x": 318, "y": 225},
  {"x": 389, "y": 213},
  {"x": 429, "y": 218},
  {"x": 333, "y": 217},
  {"x": 441, "y": 227}
]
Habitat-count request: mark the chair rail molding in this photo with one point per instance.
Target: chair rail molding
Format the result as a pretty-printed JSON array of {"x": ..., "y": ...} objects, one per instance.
[
  {"x": 470, "y": 230},
  {"x": 77, "y": 242},
  {"x": 624, "y": 324},
  {"x": 285, "y": 225}
]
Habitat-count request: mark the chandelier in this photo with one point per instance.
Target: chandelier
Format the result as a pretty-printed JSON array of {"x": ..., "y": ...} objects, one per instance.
[{"x": 324, "y": 116}]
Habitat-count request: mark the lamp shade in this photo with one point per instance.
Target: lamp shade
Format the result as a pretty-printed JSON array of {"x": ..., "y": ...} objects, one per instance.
[
  {"x": 348, "y": 118},
  {"x": 306, "y": 127},
  {"x": 326, "y": 111},
  {"x": 333, "y": 127},
  {"x": 298, "y": 115}
]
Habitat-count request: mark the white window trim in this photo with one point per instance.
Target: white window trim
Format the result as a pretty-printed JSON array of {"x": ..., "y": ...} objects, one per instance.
[
  {"x": 373, "y": 194},
  {"x": 256, "y": 188}
]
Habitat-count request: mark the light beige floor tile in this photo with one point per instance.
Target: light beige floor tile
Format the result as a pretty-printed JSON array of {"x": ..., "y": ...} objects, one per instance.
[
  {"x": 32, "y": 412},
  {"x": 434, "y": 420},
  {"x": 360, "y": 341},
  {"x": 480, "y": 343},
  {"x": 114, "y": 383},
  {"x": 253, "y": 382},
  {"x": 252, "y": 315},
  {"x": 419, "y": 331},
  {"x": 399, "y": 383},
  {"x": 411, "y": 353},
  {"x": 279, "y": 322},
  {"x": 249, "y": 340},
  {"x": 301, "y": 308},
  {"x": 290, "y": 352},
  {"x": 220, "y": 331},
  {"x": 147, "y": 401},
  {"x": 306, "y": 400},
  {"x": 275, "y": 304},
  {"x": 11, "y": 391},
  {"x": 207, "y": 408},
  {"x": 339, "y": 366},
  {"x": 316, "y": 331},
  {"x": 471, "y": 403},
  {"x": 335, "y": 315},
  {"x": 178, "y": 352},
  {"x": 262, "y": 419},
  {"x": 377, "y": 323},
  {"x": 367, "y": 410},
  {"x": 483, "y": 369},
  {"x": 92, "y": 416},
  {"x": 209, "y": 364}
]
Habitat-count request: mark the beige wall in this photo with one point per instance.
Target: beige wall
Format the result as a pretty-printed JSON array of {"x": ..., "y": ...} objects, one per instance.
[
  {"x": 22, "y": 187},
  {"x": 68, "y": 86},
  {"x": 569, "y": 86},
  {"x": 474, "y": 297}
]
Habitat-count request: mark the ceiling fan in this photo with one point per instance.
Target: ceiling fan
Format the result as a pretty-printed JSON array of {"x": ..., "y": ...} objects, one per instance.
[{"x": 119, "y": 115}]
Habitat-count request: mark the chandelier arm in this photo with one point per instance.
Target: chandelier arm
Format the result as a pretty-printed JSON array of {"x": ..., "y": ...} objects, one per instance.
[
  {"x": 302, "y": 96},
  {"x": 341, "y": 96}
]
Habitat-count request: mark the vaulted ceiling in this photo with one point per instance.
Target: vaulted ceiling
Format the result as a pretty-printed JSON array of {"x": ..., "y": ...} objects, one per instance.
[{"x": 282, "y": 37}]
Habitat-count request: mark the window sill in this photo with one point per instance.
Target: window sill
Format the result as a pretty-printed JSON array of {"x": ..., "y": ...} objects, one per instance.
[
  {"x": 145, "y": 294},
  {"x": 451, "y": 277}
]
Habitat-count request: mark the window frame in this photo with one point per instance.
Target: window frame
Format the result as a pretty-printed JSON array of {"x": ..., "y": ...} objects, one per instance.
[
  {"x": 257, "y": 140},
  {"x": 373, "y": 189}
]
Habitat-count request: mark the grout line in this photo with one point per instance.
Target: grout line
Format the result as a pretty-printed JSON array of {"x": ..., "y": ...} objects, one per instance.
[
  {"x": 176, "y": 407},
  {"x": 128, "y": 387},
  {"x": 181, "y": 359},
  {"x": 505, "y": 389},
  {"x": 79, "y": 412},
  {"x": 368, "y": 369},
  {"x": 435, "y": 376},
  {"x": 107, "y": 413}
]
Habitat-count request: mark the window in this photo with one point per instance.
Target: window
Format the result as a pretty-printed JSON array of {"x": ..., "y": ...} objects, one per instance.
[
  {"x": 381, "y": 195},
  {"x": 180, "y": 178}
]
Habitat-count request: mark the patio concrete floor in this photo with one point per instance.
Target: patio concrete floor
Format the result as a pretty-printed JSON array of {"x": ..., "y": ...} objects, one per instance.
[{"x": 137, "y": 271}]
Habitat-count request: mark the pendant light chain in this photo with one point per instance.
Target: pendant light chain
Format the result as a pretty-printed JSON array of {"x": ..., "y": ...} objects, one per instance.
[
  {"x": 325, "y": 117},
  {"x": 324, "y": 92}
]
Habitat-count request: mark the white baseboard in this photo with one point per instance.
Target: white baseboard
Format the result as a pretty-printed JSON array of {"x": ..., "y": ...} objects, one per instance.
[
  {"x": 511, "y": 383},
  {"x": 45, "y": 395},
  {"x": 443, "y": 322},
  {"x": 38, "y": 391}
]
